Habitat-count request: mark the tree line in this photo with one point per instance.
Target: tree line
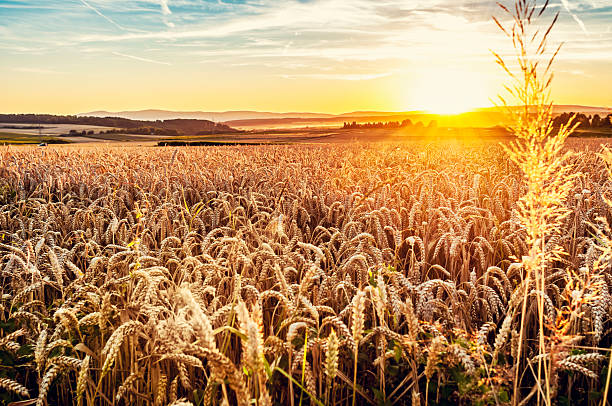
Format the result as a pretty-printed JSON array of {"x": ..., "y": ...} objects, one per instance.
[
  {"x": 391, "y": 124},
  {"x": 592, "y": 122},
  {"x": 586, "y": 122},
  {"x": 144, "y": 131},
  {"x": 186, "y": 126}
]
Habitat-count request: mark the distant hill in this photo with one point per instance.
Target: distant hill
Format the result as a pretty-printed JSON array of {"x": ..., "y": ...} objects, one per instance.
[
  {"x": 184, "y": 126},
  {"x": 566, "y": 108},
  {"x": 379, "y": 113},
  {"x": 471, "y": 119},
  {"x": 153, "y": 115},
  {"x": 484, "y": 117}
]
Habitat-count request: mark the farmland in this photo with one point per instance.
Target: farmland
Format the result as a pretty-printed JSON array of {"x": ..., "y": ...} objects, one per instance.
[
  {"x": 270, "y": 136},
  {"x": 448, "y": 254},
  {"x": 386, "y": 271}
]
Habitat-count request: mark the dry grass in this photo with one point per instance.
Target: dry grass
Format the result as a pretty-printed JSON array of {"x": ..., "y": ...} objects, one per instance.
[{"x": 550, "y": 176}]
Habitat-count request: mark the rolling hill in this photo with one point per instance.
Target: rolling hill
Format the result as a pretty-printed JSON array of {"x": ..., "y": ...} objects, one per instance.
[{"x": 484, "y": 117}]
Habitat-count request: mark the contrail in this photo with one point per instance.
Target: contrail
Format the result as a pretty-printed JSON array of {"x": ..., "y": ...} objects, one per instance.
[
  {"x": 164, "y": 7},
  {"x": 574, "y": 16},
  {"x": 102, "y": 15},
  {"x": 138, "y": 58}
]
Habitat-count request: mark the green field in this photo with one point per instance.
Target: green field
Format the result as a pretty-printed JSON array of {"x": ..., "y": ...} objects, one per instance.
[
  {"x": 15, "y": 138},
  {"x": 305, "y": 135}
]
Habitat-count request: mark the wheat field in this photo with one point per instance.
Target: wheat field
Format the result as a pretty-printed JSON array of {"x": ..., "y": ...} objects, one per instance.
[
  {"x": 333, "y": 274},
  {"x": 429, "y": 271}
]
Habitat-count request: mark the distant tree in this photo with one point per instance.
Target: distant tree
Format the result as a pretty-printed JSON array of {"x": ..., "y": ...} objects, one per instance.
[
  {"x": 560, "y": 120},
  {"x": 583, "y": 119},
  {"x": 379, "y": 124}
]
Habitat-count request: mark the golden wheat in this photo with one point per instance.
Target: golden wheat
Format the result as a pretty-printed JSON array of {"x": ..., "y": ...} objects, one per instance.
[{"x": 240, "y": 279}]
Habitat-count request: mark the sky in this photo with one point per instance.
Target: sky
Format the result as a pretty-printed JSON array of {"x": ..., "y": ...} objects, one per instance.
[{"x": 333, "y": 56}]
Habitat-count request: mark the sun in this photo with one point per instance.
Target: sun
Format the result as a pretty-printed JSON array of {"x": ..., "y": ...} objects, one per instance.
[{"x": 447, "y": 91}]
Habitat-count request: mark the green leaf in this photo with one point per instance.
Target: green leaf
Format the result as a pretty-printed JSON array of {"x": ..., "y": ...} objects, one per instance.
[
  {"x": 595, "y": 395},
  {"x": 503, "y": 396},
  {"x": 397, "y": 353},
  {"x": 313, "y": 398},
  {"x": 133, "y": 243},
  {"x": 246, "y": 371}
]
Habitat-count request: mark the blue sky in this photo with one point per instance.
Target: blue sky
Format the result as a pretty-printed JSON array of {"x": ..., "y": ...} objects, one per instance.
[{"x": 318, "y": 55}]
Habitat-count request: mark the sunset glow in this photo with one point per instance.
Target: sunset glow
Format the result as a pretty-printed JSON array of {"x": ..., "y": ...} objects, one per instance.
[
  {"x": 270, "y": 55},
  {"x": 447, "y": 92}
]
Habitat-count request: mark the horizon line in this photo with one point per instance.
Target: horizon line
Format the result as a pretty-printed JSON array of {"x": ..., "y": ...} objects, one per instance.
[{"x": 415, "y": 111}]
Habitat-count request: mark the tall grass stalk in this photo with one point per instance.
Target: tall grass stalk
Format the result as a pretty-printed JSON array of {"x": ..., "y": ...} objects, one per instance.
[{"x": 538, "y": 153}]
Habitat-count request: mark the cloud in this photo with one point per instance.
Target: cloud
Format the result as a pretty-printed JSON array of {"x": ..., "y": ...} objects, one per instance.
[
  {"x": 26, "y": 6},
  {"x": 340, "y": 76},
  {"x": 165, "y": 10},
  {"x": 417, "y": 26},
  {"x": 138, "y": 58},
  {"x": 263, "y": 32},
  {"x": 37, "y": 71},
  {"x": 24, "y": 49},
  {"x": 293, "y": 16},
  {"x": 575, "y": 72}
]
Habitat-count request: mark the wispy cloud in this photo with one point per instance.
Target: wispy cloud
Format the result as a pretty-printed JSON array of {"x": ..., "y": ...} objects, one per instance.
[
  {"x": 340, "y": 76},
  {"x": 165, "y": 10},
  {"x": 24, "y": 49},
  {"x": 36, "y": 70},
  {"x": 26, "y": 6},
  {"x": 575, "y": 72},
  {"x": 292, "y": 16},
  {"x": 141, "y": 59}
]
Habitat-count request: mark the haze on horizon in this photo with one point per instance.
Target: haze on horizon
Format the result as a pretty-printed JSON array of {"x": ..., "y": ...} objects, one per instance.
[{"x": 329, "y": 56}]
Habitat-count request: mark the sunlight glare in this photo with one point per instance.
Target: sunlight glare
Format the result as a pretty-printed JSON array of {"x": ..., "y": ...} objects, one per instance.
[{"x": 448, "y": 91}]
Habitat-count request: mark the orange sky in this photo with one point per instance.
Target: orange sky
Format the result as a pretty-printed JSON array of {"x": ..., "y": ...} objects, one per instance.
[{"x": 272, "y": 55}]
